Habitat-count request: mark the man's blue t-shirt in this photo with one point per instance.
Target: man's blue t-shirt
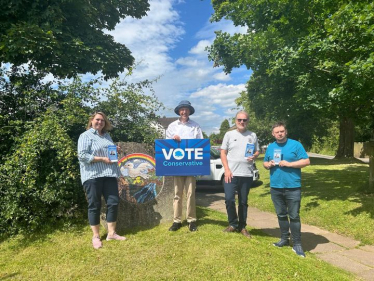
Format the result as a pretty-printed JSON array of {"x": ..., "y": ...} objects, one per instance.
[{"x": 285, "y": 177}]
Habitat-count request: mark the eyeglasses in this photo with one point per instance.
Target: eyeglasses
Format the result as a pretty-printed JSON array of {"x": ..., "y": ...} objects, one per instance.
[{"x": 242, "y": 120}]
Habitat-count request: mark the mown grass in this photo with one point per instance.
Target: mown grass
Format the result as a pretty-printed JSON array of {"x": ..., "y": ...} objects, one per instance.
[
  {"x": 158, "y": 254},
  {"x": 334, "y": 197}
]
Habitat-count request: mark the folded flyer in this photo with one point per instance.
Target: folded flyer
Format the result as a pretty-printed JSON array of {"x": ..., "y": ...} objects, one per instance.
[{"x": 112, "y": 153}]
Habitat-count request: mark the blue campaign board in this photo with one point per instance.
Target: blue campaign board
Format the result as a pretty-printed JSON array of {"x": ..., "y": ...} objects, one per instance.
[{"x": 185, "y": 158}]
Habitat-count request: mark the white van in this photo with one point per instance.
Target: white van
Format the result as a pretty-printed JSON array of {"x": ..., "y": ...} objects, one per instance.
[{"x": 217, "y": 172}]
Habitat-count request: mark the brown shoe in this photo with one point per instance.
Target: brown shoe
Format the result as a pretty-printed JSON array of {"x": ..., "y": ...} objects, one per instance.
[
  {"x": 230, "y": 229},
  {"x": 245, "y": 233}
]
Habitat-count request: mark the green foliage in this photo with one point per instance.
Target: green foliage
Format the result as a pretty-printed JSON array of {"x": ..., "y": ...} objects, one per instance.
[
  {"x": 66, "y": 38},
  {"x": 130, "y": 110},
  {"x": 216, "y": 139},
  {"x": 39, "y": 171},
  {"x": 331, "y": 188},
  {"x": 260, "y": 126},
  {"x": 327, "y": 144},
  {"x": 225, "y": 126},
  {"x": 312, "y": 61},
  {"x": 23, "y": 97},
  {"x": 39, "y": 182}
]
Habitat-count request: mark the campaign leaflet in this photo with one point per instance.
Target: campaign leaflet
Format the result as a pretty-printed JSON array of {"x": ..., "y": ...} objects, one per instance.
[
  {"x": 277, "y": 156},
  {"x": 112, "y": 153},
  {"x": 249, "y": 150}
]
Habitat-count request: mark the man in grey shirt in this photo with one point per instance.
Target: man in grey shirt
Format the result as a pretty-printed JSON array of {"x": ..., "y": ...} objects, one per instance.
[{"x": 238, "y": 151}]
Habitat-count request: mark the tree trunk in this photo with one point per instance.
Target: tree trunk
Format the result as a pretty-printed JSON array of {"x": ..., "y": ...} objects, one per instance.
[
  {"x": 346, "y": 138},
  {"x": 371, "y": 164}
]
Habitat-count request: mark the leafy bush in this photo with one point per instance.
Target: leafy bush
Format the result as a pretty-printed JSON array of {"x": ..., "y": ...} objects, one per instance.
[
  {"x": 327, "y": 144},
  {"x": 39, "y": 181},
  {"x": 39, "y": 170}
]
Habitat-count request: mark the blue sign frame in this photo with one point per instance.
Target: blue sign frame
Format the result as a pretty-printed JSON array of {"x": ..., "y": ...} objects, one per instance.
[{"x": 189, "y": 157}]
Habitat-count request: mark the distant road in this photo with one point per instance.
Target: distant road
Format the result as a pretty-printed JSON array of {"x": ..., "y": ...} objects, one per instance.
[
  {"x": 311, "y": 154},
  {"x": 365, "y": 160}
]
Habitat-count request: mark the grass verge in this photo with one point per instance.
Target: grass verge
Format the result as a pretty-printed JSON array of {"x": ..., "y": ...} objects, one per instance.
[
  {"x": 334, "y": 197},
  {"x": 157, "y": 254}
]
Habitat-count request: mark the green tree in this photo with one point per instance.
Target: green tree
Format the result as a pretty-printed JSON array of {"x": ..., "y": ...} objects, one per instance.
[
  {"x": 39, "y": 171},
  {"x": 131, "y": 110},
  {"x": 260, "y": 126},
  {"x": 215, "y": 139},
  {"x": 225, "y": 126},
  {"x": 23, "y": 97},
  {"x": 66, "y": 37},
  {"x": 312, "y": 60}
]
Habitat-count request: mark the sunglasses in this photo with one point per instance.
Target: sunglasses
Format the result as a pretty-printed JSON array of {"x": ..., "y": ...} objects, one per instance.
[{"x": 240, "y": 120}]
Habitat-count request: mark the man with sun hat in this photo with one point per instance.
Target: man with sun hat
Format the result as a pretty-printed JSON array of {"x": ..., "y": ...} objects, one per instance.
[{"x": 184, "y": 128}]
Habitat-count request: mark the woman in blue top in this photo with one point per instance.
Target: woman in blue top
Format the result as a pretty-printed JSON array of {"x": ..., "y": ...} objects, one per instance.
[{"x": 99, "y": 176}]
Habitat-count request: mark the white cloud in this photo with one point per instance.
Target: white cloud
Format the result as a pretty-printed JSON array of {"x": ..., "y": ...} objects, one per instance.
[
  {"x": 189, "y": 61},
  {"x": 222, "y": 76},
  {"x": 151, "y": 38},
  {"x": 214, "y": 104},
  {"x": 152, "y": 41},
  {"x": 199, "y": 49},
  {"x": 219, "y": 92}
]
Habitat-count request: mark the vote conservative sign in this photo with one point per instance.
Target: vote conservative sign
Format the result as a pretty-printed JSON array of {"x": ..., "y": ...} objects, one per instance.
[{"x": 185, "y": 158}]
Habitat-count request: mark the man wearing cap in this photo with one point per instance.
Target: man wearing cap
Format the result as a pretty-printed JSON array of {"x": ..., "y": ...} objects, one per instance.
[
  {"x": 238, "y": 151},
  {"x": 184, "y": 128}
]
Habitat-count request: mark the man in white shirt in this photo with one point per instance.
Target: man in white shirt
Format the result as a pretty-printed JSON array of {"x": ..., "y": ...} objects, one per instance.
[
  {"x": 184, "y": 128},
  {"x": 238, "y": 151}
]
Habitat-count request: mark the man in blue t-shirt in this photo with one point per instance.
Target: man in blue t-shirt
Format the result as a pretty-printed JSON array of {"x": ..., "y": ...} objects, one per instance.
[{"x": 285, "y": 158}]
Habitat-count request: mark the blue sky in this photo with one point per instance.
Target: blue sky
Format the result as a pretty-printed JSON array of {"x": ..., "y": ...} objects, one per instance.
[{"x": 169, "y": 42}]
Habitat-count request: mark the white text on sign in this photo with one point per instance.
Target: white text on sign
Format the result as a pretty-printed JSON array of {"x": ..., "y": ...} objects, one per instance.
[{"x": 179, "y": 153}]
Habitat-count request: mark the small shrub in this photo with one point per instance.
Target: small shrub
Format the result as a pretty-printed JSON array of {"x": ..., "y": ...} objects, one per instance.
[{"x": 328, "y": 144}]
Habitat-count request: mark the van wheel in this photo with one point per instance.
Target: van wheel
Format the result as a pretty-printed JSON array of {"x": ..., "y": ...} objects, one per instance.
[{"x": 222, "y": 181}]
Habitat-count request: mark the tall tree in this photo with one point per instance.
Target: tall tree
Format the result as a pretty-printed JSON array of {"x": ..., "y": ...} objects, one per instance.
[
  {"x": 310, "y": 59},
  {"x": 225, "y": 126},
  {"x": 66, "y": 37},
  {"x": 261, "y": 126},
  {"x": 23, "y": 97}
]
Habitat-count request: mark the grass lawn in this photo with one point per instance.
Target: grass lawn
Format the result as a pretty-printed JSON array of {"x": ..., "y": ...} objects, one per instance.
[
  {"x": 157, "y": 254},
  {"x": 333, "y": 197}
]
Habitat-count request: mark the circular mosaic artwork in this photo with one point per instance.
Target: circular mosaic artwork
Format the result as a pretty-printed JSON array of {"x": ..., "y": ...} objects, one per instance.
[{"x": 138, "y": 182}]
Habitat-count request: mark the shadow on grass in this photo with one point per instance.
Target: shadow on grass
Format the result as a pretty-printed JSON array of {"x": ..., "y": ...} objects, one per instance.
[
  {"x": 77, "y": 225},
  {"x": 310, "y": 240},
  {"x": 348, "y": 184},
  {"x": 203, "y": 216},
  {"x": 8, "y": 276}
]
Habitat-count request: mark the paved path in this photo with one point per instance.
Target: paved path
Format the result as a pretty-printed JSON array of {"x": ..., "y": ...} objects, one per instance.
[
  {"x": 340, "y": 251},
  {"x": 311, "y": 154}
]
